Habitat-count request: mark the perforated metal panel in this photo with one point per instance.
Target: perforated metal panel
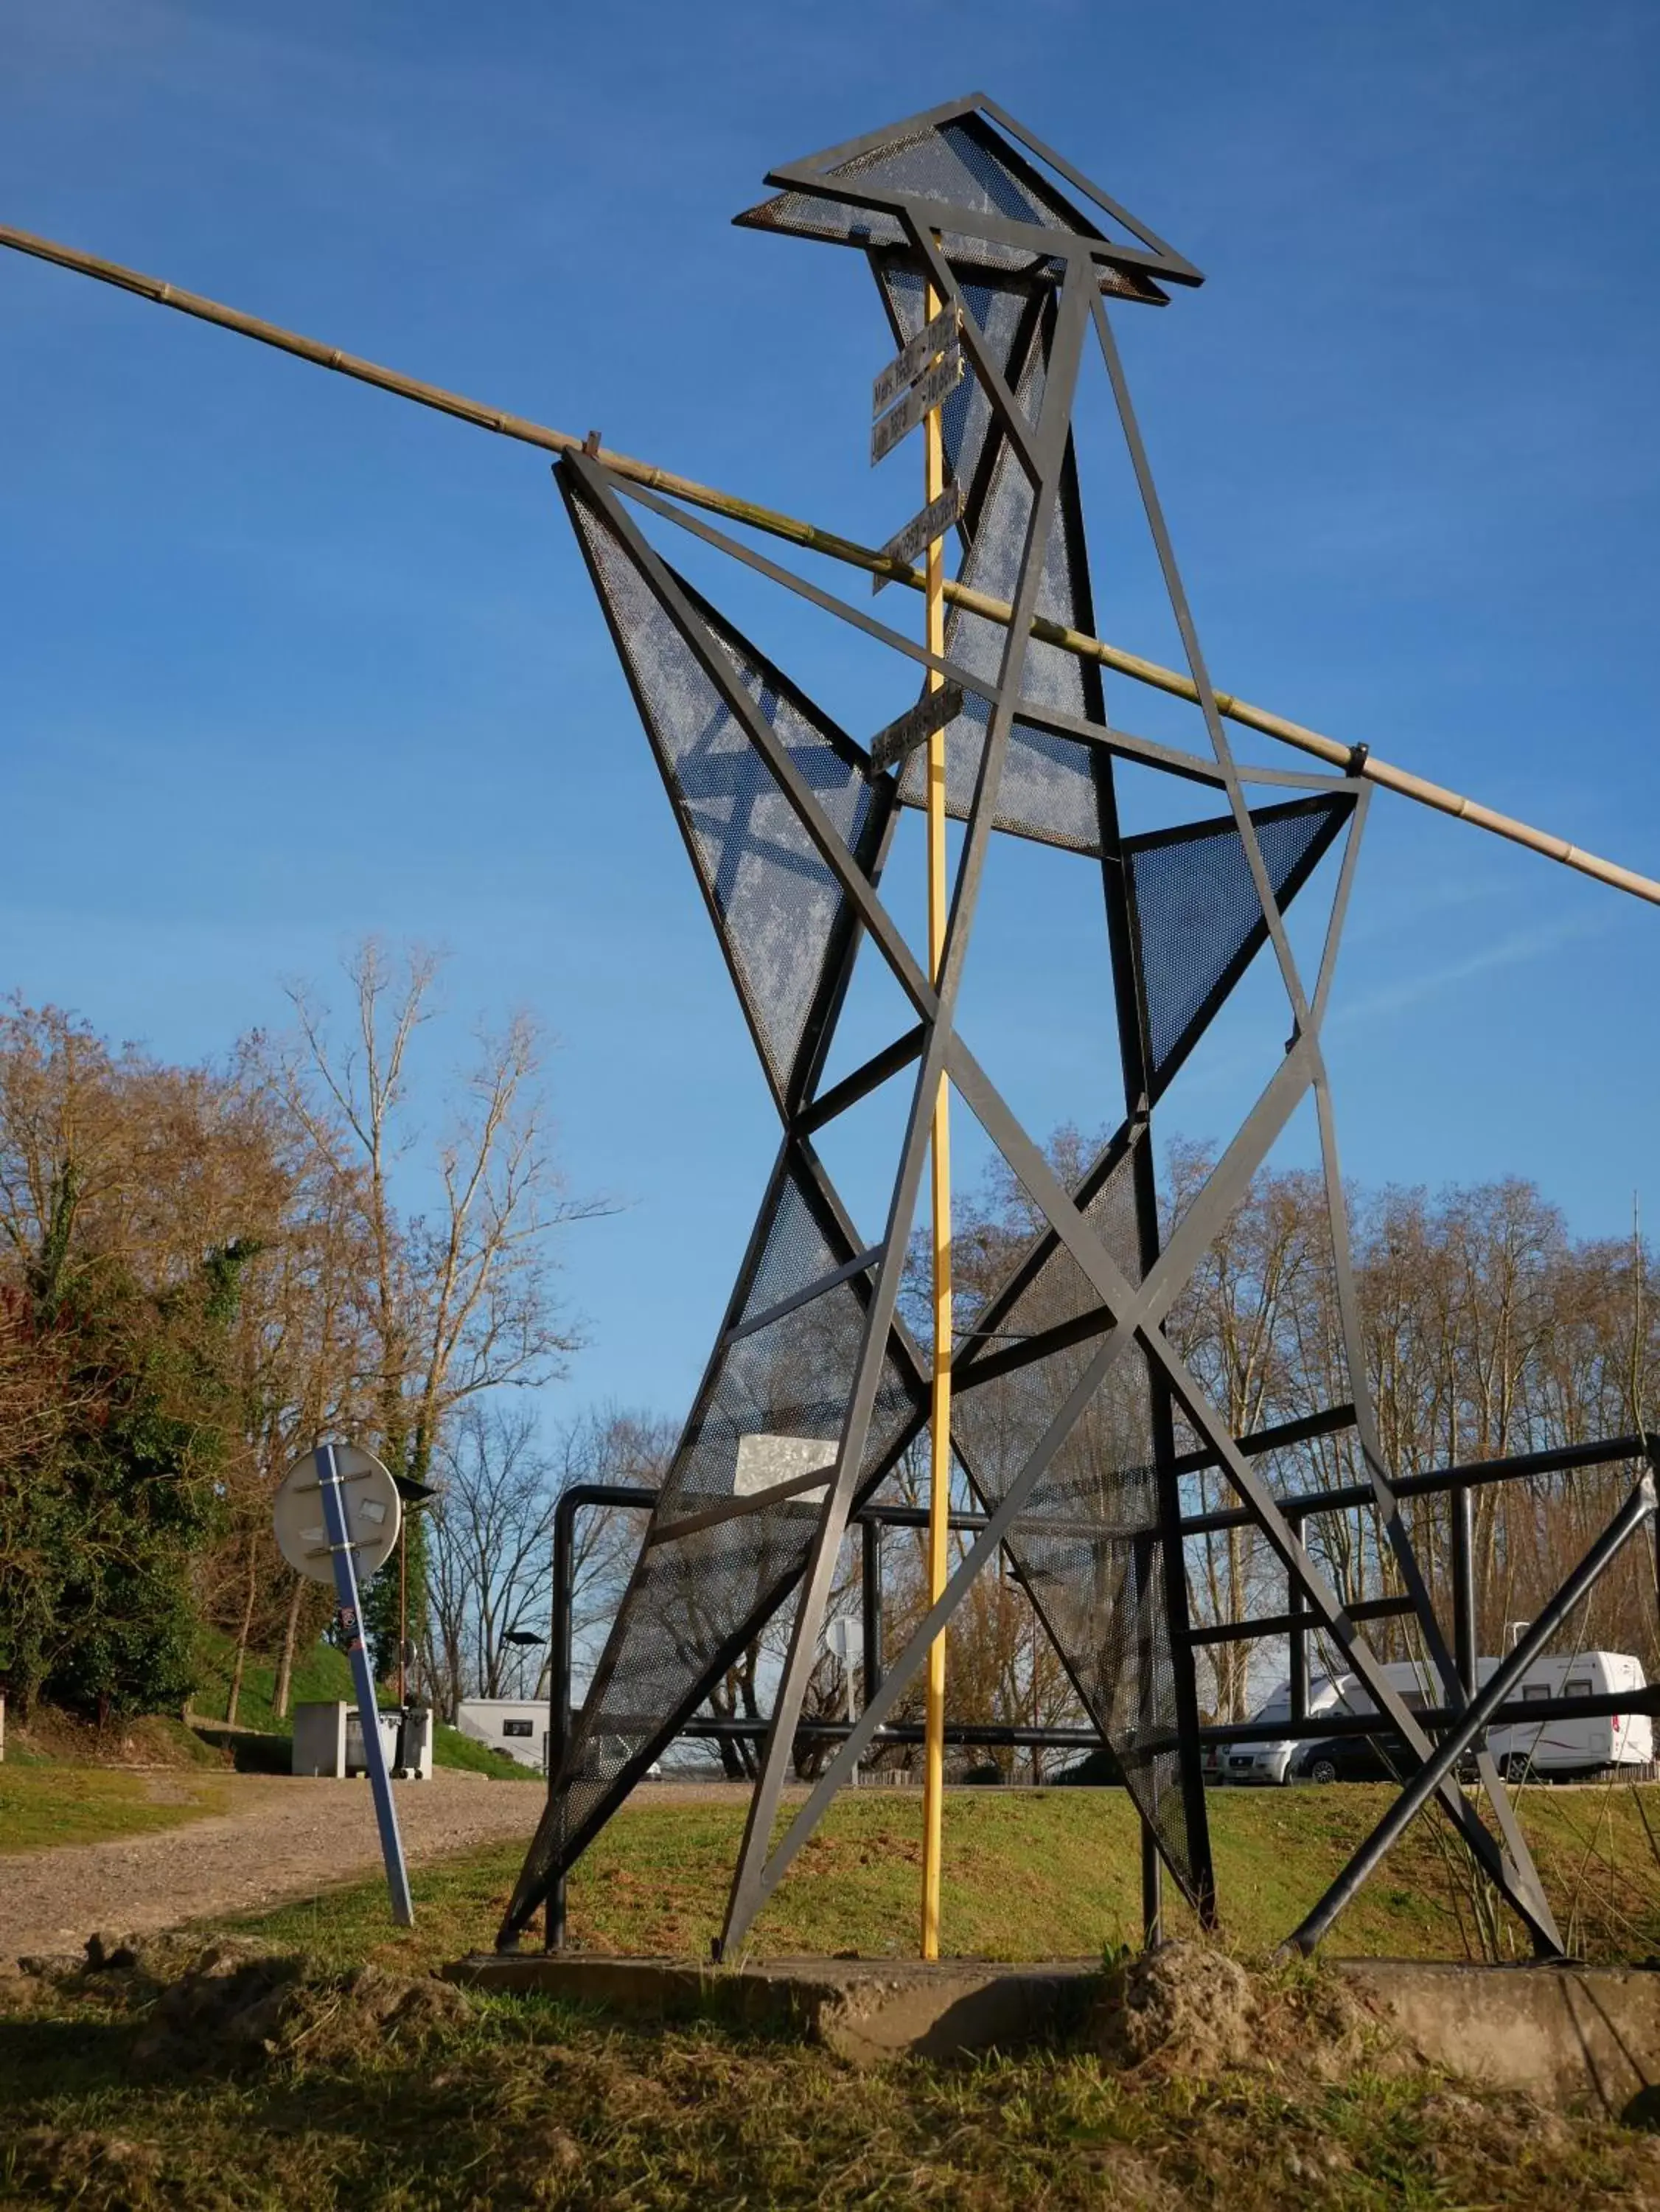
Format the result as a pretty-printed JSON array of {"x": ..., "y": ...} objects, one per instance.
[
  {"x": 1198, "y": 920},
  {"x": 1049, "y": 783},
  {"x": 783, "y": 918},
  {"x": 698, "y": 1596},
  {"x": 1088, "y": 1543}
]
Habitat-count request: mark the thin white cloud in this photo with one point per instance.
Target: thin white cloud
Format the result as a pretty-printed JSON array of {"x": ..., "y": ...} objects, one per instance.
[{"x": 1506, "y": 952}]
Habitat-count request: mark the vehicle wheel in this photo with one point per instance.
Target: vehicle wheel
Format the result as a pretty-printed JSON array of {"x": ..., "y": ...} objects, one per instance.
[{"x": 1323, "y": 1770}]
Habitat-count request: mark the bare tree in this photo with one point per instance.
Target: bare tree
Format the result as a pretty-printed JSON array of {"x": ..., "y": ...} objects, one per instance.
[
  {"x": 490, "y": 1547},
  {"x": 489, "y": 1553},
  {"x": 459, "y": 1301}
]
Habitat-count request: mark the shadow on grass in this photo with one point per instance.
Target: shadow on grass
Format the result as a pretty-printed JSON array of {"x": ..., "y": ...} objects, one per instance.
[{"x": 55, "y": 2058}]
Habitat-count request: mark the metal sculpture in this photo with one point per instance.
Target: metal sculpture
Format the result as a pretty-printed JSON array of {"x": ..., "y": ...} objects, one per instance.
[
  {"x": 1063, "y": 1400},
  {"x": 1066, "y": 1396}
]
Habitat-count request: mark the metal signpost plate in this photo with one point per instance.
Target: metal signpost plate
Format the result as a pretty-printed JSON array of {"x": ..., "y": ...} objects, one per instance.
[
  {"x": 926, "y": 394},
  {"x": 891, "y": 745},
  {"x": 908, "y": 364},
  {"x": 939, "y": 516},
  {"x": 374, "y": 1513}
]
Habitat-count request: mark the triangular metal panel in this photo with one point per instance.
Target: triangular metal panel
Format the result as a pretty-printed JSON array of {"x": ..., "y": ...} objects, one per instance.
[
  {"x": 952, "y": 166},
  {"x": 698, "y": 1597},
  {"x": 785, "y": 922},
  {"x": 1197, "y": 917}
]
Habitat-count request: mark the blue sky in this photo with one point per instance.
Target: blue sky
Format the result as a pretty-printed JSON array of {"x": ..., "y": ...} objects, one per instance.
[{"x": 284, "y": 661}]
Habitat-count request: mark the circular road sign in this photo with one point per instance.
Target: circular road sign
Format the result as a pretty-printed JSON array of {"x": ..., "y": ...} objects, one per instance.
[{"x": 374, "y": 1513}]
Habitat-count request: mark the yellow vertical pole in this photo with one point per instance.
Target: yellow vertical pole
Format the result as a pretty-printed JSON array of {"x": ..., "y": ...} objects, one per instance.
[{"x": 939, "y": 1493}]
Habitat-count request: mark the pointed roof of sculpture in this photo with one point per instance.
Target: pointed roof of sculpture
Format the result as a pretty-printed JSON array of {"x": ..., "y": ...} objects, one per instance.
[{"x": 969, "y": 173}]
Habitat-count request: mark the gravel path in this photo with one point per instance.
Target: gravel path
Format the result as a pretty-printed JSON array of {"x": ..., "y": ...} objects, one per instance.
[{"x": 281, "y": 1839}]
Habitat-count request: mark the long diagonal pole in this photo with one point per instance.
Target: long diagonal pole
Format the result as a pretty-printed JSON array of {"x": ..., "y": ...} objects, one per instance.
[{"x": 813, "y": 539}]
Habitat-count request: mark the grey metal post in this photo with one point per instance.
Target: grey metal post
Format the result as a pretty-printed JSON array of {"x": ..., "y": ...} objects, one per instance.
[
  {"x": 559, "y": 1689},
  {"x": 1464, "y": 1585},
  {"x": 870, "y": 1602},
  {"x": 1152, "y": 1888},
  {"x": 351, "y": 1620},
  {"x": 1296, "y": 1606}
]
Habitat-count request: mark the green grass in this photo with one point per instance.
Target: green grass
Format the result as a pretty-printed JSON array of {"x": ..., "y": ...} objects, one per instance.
[
  {"x": 320, "y": 1676},
  {"x": 47, "y": 1804},
  {"x": 1045, "y": 1874},
  {"x": 373, "y": 2095},
  {"x": 452, "y": 1748},
  {"x": 482, "y": 2102}
]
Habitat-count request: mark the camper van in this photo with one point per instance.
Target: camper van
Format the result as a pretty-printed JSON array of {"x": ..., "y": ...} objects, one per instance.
[
  {"x": 1553, "y": 1750},
  {"x": 517, "y": 1726},
  {"x": 1267, "y": 1761},
  {"x": 1559, "y": 1748}
]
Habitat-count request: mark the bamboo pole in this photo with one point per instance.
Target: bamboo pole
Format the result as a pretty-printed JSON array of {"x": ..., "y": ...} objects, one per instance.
[
  {"x": 811, "y": 539},
  {"x": 939, "y": 1476}
]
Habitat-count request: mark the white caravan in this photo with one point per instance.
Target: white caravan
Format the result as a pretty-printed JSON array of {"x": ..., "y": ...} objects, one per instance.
[
  {"x": 1546, "y": 1747},
  {"x": 1562, "y": 1746},
  {"x": 517, "y": 1726}
]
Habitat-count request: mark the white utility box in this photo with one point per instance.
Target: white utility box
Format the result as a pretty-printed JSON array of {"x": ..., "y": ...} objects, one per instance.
[
  {"x": 319, "y": 1740},
  {"x": 328, "y": 1741}
]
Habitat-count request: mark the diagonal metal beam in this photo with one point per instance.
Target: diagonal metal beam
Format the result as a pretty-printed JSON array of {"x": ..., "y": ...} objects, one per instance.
[
  {"x": 481, "y": 415},
  {"x": 1131, "y": 1308}
]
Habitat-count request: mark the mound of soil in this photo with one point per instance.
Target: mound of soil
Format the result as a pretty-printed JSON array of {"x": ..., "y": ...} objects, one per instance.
[
  {"x": 234, "y": 2001},
  {"x": 1191, "y": 2006},
  {"x": 1193, "y": 2009}
]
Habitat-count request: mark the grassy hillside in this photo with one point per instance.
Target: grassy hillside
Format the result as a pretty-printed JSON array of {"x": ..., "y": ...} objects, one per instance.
[{"x": 319, "y": 1675}]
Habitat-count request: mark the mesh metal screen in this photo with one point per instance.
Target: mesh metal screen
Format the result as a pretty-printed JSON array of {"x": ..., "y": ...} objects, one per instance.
[
  {"x": 1048, "y": 790},
  {"x": 1197, "y": 919},
  {"x": 696, "y": 1601},
  {"x": 1006, "y": 315},
  {"x": 784, "y": 920},
  {"x": 1087, "y": 1543}
]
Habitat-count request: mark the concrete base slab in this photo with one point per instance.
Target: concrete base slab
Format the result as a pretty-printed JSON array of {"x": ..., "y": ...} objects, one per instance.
[
  {"x": 1577, "y": 2036},
  {"x": 864, "y": 2009},
  {"x": 1585, "y": 2038}
]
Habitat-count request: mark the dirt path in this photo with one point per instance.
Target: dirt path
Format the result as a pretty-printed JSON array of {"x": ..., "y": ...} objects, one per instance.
[{"x": 281, "y": 1839}]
